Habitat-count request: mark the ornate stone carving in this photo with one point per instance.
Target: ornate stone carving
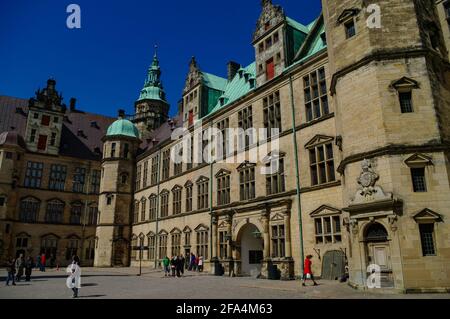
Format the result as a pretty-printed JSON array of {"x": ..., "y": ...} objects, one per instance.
[
  {"x": 271, "y": 16},
  {"x": 367, "y": 179},
  {"x": 194, "y": 77},
  {"x": 392, "y": 219}
]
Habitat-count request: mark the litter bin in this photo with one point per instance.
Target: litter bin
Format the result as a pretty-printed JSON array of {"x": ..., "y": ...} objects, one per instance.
[
  {"x": 274, "y": 273},
  {"x": 218, "y": 269}
]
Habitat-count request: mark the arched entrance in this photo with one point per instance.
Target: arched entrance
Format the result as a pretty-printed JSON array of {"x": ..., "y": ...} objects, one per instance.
[
  {"x": 251, "y": 250},
  {"x": 378, "y": 251}
]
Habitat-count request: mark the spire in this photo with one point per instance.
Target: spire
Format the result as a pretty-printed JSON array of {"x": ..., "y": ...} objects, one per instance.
[
  {"x": 265, "y": 2},
  {"x": 153, "y": 88}
]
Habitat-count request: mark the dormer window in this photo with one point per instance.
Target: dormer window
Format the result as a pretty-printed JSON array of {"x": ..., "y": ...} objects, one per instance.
[
  {"x": 268, "y": 42},
  {"x": 276, "y": 37},
  {"x": 347, "y": 18}
]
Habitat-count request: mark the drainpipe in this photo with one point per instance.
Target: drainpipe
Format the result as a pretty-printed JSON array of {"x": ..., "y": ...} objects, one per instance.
[
  {"x": 86, "y": 203},
  {"x": 157, "y": 209},
  {"x": 211, "y": 165},
  {"x": 297, "y": 176}
]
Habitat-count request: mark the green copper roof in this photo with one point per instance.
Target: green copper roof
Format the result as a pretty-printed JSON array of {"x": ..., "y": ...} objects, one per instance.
[
  {"x": 153, "y": 88},
  {"x": 123, "y": 127},
  {"x": 297, "y": 25},
  {"x": 214, "y": 82},
  {"x": 243, "y": 83}
]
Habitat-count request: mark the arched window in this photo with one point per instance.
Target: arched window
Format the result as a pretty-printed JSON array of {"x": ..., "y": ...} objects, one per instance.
[
  {"x": 376, "y": 232},
  {"x": 29, "y": 210},
  {"x": 93, "y": 214},
  {"x": 89, "y": 249},
  {"x": 75, "y": 213},
  {"x": 55, "y": 212}
]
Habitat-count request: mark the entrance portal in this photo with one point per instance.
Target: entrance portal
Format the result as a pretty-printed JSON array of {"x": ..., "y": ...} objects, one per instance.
[
  {"x": 378, "y": 252},
  {"x": 333, "y": 265},
  {"x": 252, "y": 246}
]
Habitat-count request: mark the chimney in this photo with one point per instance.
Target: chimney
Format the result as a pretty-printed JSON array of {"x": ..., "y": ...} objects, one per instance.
[
  {"x": 73, "y": 102},
  {"x": 232, "y": 69},
  {"x": 121, "y": 114}
]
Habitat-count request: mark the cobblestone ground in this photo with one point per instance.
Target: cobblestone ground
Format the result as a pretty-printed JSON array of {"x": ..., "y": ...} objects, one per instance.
[{"x": 125, "y": 284}]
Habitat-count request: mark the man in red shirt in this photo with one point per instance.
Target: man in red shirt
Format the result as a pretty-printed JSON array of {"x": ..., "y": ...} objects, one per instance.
[
  {"x": 43, "y": 261},
  {"x": 307, "y": 273}
]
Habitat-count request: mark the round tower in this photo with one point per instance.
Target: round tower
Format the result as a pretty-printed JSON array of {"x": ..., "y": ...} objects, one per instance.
[{"x": 116, "y": 192}]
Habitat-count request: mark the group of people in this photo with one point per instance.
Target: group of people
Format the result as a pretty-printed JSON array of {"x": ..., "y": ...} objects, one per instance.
[
  {"x": 175, "y": 266},
  {"x": 16, "y": 268}
]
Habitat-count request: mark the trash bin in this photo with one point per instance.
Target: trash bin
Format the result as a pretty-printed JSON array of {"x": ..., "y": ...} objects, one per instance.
[
  {"x": 218, "y": 269},
  {"x": 274, "y": 273}
]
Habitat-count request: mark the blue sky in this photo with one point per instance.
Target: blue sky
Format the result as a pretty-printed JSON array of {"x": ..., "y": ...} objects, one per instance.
[{"x": 104, "y": 63}]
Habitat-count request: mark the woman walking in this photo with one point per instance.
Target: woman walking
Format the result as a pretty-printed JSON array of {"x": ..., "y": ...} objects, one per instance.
[
  {"x": 74, "y": 280},
  {"x": 20, "y": 264},
  {"x": 307, "y": 273},
  {"x": 200, "y": 264}
]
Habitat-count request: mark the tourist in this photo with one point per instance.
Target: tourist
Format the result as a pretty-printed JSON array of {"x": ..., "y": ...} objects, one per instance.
[
  {"x": 74, "y": 279},
  {"x": 43, "y": 261},
  {"x": 196, "y": 263},
  {"x": 29, "y": 264},
  {"x": 38, "y": 262},
  {"x": 307, "y": 273},
  {"x": 200, "y": 264},
  {"x": 182, "y": 264},
  {"x": 178, "y": 266},
  {"x": 173, "y": 265},
  {"x": 19, "y": 265},
  {"x": 11, "y": 270},
  {"x": 192, "y": 262},
  {"x": 166, "y": 265}
]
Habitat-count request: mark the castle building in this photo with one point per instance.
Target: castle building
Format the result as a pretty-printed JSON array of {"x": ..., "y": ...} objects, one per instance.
[{"x": 360, "y": 113}]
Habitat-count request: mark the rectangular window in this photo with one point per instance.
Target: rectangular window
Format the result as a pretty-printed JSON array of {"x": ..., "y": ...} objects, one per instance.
[
  {"x": 189, "y": 198},
  {"x": 245, "y": 122},
  {"x": 427, "y": 239},
  {"x": 53, "y": 139},
  {"x": 178, "y": 167},
  {"x": 151, "y": 247},
  {"x": 29, "y": 210},
  {"x": 58, "y": 175},
  {"x": 136, "y": 212},
  {"x": 322, "y": 164},
  {"x": 350, "y": 30},
  {"x": 55, "y": 212},
  {"x": 155, "y": 166},
  {"x": 223, "y": 245},
  {"x": 137, "y": 185},
  {"x": 191, "y": 118},
  {"x": 272, "y": 114},
  {"x": 113, "y": 150},
  {"x": 144, "y": 179},
  {"x": 75, "y": 214},
  {"x": 202, "y": 198},
  {"x": 33, "y": 175},
  {"x": 95, "y": 182},
  {"x": 406, "y": 102},
  {"x": 153, "y": 207},
  {"x": 418, "y": 179},
  {"x": 177, "y": 201},
  {"x": 176, "y": 244},
  {"x": 143, "y": 209},
  {"x": 316, "y": 98},
  {"x": 202, "y": 244},
  {"x": 275, "y": 183},
  {"x": 33, "y": 136},
  {"x": 247, "y": 184},
  {"x": 222, "y": 141},
  {"x": 223, "y": 190},
  {"x": 42, "y": 143},
  {"x": 93, "y": 215},
  {"x": 328, "y": 230},
  {"x": 162, "y": 246},
  {"x": 166, "y": 165},
  {"x": 164, "y": 204},
  {"x": 278, "y": 247},
  {"x": 79, "y": 178}
]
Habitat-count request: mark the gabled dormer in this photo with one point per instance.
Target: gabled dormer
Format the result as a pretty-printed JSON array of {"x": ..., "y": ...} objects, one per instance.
[
  {"x": 45, "y": 120},
  {"x": 276, "y": 40}
]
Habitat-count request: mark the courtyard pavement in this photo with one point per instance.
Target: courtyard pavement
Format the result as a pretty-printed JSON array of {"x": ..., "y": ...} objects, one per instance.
[{"x": 123, "y": 283}]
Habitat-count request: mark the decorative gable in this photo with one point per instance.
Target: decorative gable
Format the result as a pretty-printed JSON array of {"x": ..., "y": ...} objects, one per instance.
[
  {"x": 194, "y": 77},
  {"x": 187, "y": 229},
  {"x": 271, "y": 16},
  {"x": 188, "y": 184},
  {"x": 245, "y": 165},
  {"x": 277, "y": 217},
  {"x": 176, "y": 187},
  {"x": 318, "y": 140},
  {"x": 222, "y": 172},
  {"x": 175, "y": 231},
  {"x": 405, "y": 83},
  {"x": 427, "y": 215},
  {"x": 202, "y": 179},
  {"x": 201, "y": 227},
  {"x": 325, "y": 210},
  {"x": 418, "y": 160},
  {"x": 163, "y": 232},
  {"x": 151, "y": 234},
  {"x": 347, "y": 15}
]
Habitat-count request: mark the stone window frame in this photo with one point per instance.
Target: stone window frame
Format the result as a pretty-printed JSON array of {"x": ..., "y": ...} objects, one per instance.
[
  {"x": 89, "y": 248},
  {"x": 415, "y": 162},
  {"x": 178, "y": 167},
  {"x": 162, "y": 243},
  {"x": 145, "y": 175},
  {"x": 20, "y": 239},
  {"x": 75, "y": 213},
  {"x": 33, "y": 174},
  {"x": 279, "y": 176},
  {"x": 95, "y": 181},
  {"x": 143, "y": 209},
  {"x": 318, "y": 106},
  {"x": 164, "y": 203},
  {"x": 428, "y": 217},
  {"x": 51, "y": 209},
  {"x": 278, "y": 238},
  {"x": 3, "y": 200},
  {"x": 153, "y": 207},
  {"x": 137, "y": 182},
  {"x": 315, "y": 163},
  {"x": 79, "y": 179},
  {"x": 57, "y": 177},
  {"x": 202, "y": 241},
  {"x": 93, "y": 214},
  {"x": 50, "y": 244},
  {"x": 187, "y": 231},
  {"x": 223, "y": 150},
  {"x": 177, "y": 192},
  {"x": 72, "y": 246},
  {"x": 405, "y": 85},
  {"x": 322, "y": 214},
  {"x": 202, "y": 192},
  {"x": 136, "y": 207},
  {"x": 166, "y": 165},
  {"x": 272, "y": 118},
  {"x": 30, "y": 210},
  {"x": 223, "y": 240},
  {"x": 223, "y": 189},
  {"x": 134, "y": 242},
  {"x": 155, "y": 168},
  {"x": 151, "y": 240},
  {"x": 189, "y": 186},
  {"x": 247, "y": 181},
  {"x": 345, "y": 18},
  {"x": 245, "y": 122},
  {"x": 175, "y": 241}
]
